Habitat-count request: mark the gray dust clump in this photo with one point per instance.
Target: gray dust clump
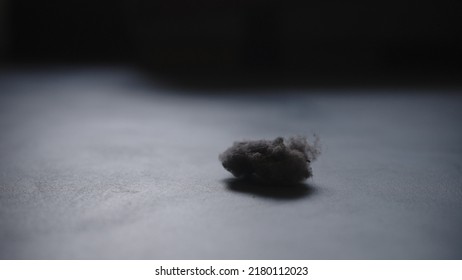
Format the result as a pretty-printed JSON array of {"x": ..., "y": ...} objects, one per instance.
[{"x": 277, "y": 161}]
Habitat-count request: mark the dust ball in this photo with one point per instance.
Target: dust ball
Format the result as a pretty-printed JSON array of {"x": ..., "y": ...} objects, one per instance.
[{"x": 277, "y": 161}]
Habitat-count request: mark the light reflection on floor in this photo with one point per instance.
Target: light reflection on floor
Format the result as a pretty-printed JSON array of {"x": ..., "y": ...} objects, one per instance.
[{"x": 103, "y": 164}]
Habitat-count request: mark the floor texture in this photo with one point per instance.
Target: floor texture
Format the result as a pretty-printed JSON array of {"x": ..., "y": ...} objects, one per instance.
[{"x": 101, "y": 163}]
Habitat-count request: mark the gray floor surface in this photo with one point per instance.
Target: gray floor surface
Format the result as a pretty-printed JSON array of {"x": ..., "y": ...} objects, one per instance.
[{"x": 99, "y": 163}]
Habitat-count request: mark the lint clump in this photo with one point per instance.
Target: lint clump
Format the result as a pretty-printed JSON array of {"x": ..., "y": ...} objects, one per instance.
[{"x": 273, "y": 161}]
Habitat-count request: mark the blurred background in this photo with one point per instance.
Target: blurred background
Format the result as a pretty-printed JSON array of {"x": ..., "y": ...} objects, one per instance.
[
  {"x": 233, "y": 42},
  {"x": 113, "y": 114}
]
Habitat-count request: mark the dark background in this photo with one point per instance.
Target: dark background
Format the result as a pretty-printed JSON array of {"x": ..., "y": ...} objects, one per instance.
[
  {"x": 100, "y": 160},
  {"x": 235, "y": 39}
]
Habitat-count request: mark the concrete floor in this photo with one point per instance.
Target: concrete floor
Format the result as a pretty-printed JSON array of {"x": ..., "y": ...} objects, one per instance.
[{"x": 100, "y": 164}]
